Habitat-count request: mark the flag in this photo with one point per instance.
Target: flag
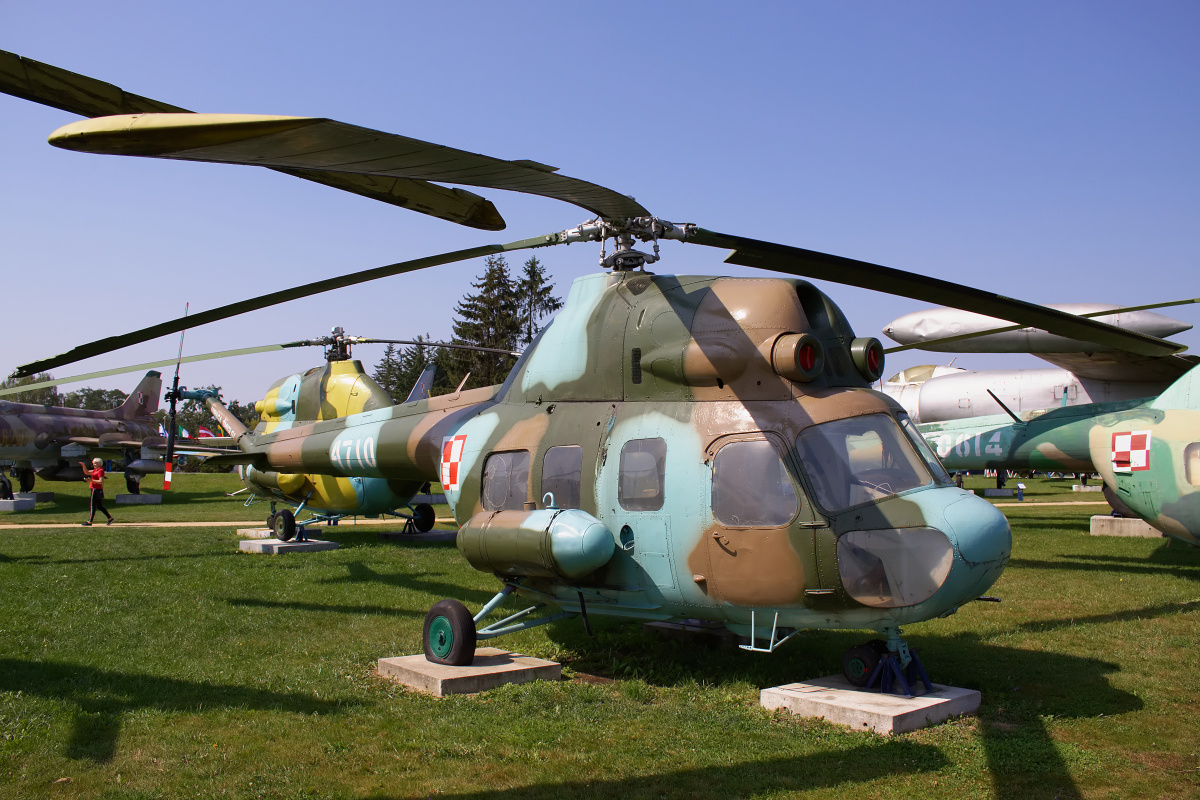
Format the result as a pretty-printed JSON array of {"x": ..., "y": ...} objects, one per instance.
[{"x": 204, "y": 432}]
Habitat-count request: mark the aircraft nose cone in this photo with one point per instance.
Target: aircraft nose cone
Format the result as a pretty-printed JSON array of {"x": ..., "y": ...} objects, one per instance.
[{"x": 983, "y": 541}]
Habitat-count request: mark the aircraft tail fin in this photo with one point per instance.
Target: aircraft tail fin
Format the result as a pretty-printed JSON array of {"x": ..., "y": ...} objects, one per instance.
[
  {"x": 1183, "y": 393},
  {"x": 143, "y": 400},
  {"x": 424, "y": 384}
]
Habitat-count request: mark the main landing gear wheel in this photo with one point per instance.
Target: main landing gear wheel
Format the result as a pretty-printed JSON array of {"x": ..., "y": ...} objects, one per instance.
[
  {"x": 449, "y": 634},
  {"x": 859, "y": 662},
  {"x": 133, "y": 482},
  {"x": 284, "y": 525},
  {"x": 25, "y": 479},
  {"x": 423, "y": 517}
]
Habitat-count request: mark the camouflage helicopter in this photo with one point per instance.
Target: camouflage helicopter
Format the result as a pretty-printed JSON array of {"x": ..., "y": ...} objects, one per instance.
[
  {"x": 1147, "y": 451},
  {"x": 669, "y": 447},
  {"x": 341, "y": 388}
]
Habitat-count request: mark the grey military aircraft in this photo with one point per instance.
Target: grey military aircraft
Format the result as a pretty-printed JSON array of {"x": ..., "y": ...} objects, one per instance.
[
  {"x": 1084, "y": 372},
  {"x": 48, "y": 441}
]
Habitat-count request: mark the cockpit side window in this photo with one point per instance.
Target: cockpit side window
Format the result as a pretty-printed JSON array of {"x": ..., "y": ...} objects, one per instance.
[
  {"x": 643, "y": 467},
  {"x": 858, "y": 460},
  {"x": 925, "y": 450},
  {"x": 506, "y": 480},
  {"x": 751, "y": 487}
]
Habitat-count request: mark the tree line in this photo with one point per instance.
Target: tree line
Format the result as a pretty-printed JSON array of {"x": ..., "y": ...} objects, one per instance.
[{"x": 505, "y": 312}]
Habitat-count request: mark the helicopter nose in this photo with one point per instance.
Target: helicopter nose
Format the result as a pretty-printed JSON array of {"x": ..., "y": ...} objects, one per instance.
[{"x": 983, "y": 544}]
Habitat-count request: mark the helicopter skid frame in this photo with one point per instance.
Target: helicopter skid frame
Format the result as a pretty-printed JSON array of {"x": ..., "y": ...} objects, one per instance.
[{"x": 773, "y": 642}]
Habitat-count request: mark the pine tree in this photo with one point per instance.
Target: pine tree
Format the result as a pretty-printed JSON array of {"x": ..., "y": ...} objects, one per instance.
[
  {"x": 536, "y": 298},
  {"x": 47, "y": 395},
  {"x": 387, "y": 373},
  {"x": 489, "y": 319}
]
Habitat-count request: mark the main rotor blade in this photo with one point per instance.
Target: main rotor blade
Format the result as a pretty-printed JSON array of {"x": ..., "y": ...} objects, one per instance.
[
  {"x": 110, "y": 343},
  {"x": 89, "y": 97},
  {"x": 1010, "y": 328},
  {"x": 849, "y": 272},
  {"x": 87, "y": 376},
  {"x": 314, "y": 143},
  {"x": 435, "y": 345}
]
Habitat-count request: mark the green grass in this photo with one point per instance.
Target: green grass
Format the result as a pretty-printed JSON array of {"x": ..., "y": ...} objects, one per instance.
[
  {"x": 194, "y": 497},
  {"x": 159, "y": 662}
]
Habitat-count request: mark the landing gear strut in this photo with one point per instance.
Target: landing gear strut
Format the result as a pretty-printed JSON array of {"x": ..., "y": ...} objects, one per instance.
[{"x": 890, "y": 665}]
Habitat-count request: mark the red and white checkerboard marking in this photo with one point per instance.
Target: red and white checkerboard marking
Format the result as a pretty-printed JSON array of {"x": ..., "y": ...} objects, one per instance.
[
  {"x": 1131, "y": 451},
  {"x": 452, "y": 451}
]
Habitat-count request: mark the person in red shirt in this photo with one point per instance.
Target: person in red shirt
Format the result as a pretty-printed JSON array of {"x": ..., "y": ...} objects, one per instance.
[{"x": 95, "y": 477}]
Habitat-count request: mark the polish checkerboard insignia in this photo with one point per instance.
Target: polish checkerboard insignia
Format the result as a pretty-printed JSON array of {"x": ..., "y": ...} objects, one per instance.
[
  {"x": 1131, "y": 451},
  {"x": 452, "y": 451}
]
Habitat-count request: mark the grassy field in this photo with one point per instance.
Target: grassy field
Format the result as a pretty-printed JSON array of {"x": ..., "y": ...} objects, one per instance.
[{"x": 160, "y": 662}]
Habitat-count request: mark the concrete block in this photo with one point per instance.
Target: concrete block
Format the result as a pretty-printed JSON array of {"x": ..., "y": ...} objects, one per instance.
[
  {"x": 16, "y": 505},
  {"x": 1081, "y": 488},
  {"x": 1104, "y": 525},
  {"x": 492, "y": 667},
  {"x": 997, "y": 492},
  {"x": 274, "y": 547},
  {"x": 255, "y": 533},
  {"x": 836, "y": 700},
  {"x": 139, "y": 499},
  {"x": 37, "y": 497},
  {"x": 428, "y": 536}
]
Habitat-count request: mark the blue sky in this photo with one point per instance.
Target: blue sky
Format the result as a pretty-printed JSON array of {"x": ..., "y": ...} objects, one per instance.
[{"x": 1044, "y": 150}]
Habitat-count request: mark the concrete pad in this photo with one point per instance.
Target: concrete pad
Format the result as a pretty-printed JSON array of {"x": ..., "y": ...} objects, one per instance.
[
  {"x": 1081, "y": 488},
  {"x": 492, "y": 667},
  {"x": 428, "y": 536},
  {"x": 274, "y": 547},
  {"x": 997, "y": 492},
  {"x": 16, "y": 505},
  {"x": 834, "y": 699},
  {"x": 139, "y": 499},
  {"x": 37, "y": 497},
  {"x": 255, "y": 533},
  {"x": 1105, "y": 525}
]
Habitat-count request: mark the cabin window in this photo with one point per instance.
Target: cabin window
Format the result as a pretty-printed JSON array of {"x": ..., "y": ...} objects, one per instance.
[
  {"x": 1191, "y": 463},
  {"x": 926, "y": 451},
  {"x": 562, "y": 473},
  {"x": 643, "y": 464},
  {"x": 751, "y": 486},
  {"x": 506, "y": 481},
  {"x": 859, "y": 460}
]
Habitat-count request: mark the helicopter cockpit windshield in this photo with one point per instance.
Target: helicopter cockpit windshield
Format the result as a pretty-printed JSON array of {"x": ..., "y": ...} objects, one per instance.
[{"x": 860, "y": 459}]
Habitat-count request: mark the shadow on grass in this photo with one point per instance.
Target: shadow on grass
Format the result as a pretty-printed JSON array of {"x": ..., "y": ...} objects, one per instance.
[
  {"x": 1126, "y": 566},
  {"x": 862, "y": 764},
  {"x": 389, "y": 611},
  {"x": 359, "y": 572},
  {"x": 104, "y": 696},
  {"x": 1149, "y": 612},
  {"x": 1020, "y": 688}
]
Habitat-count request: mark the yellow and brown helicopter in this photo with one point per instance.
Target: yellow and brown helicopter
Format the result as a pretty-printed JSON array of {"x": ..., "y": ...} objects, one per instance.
[{"x": 670, "y": 447}]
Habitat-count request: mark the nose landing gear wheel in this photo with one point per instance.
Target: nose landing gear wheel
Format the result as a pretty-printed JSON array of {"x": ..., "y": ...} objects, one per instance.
[
  {"x": 284, "y": 525},
  {"x": 423, "y": 517},
  {"x": 449, "y": 635},
  {"x": 858, "y": 663}
]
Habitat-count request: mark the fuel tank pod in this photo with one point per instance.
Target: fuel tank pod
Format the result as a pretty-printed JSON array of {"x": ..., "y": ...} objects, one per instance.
[{"x": 545, "y": 543}]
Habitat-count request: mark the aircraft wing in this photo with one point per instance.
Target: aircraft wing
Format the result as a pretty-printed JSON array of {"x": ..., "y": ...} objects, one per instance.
[{"x": 1122, "y": 366}]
